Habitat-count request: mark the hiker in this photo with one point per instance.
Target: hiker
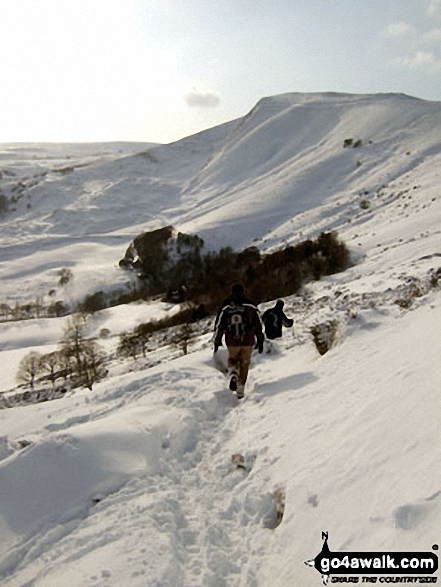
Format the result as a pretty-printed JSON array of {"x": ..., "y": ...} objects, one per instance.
[
  {"x": 238, "y": 319},
  {"x": 274, "y": 319}
]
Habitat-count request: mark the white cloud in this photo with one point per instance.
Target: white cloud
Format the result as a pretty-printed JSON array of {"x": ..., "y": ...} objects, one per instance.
[
  {"x": 434, "y": 7},
  {"x": 422, "y": 60},
  {"x": 398, "y": 29},
  {"x": 197, "y": 99},
  {"x": 433, "y": 36}
]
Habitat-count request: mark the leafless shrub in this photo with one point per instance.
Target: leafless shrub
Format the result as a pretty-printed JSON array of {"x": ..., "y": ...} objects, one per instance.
[
  {"x": 65, "y": 275},
  {"x": 29, "y": 368}
]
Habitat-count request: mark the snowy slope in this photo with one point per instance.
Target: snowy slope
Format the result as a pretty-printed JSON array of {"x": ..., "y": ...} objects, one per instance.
[
  {"x": 251, "y": 181},
  {"x": 135, "y": 482}
]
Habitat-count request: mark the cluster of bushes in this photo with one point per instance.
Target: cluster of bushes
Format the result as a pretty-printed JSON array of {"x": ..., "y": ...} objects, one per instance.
[
  {"x": 79, "y": 361},
  {"x": 101, "y": 300},
  {"x": 182, "y": 273},
  {"x": 135, "y": 343},
  {"x": 41, "y": 307},
  {"x": 269, "y": 276},
  {"x": 36, "y": 309},
  {"x": 205, "y": 278},
  {"x": 202, "y": 280},
  {"x": 354, "y": 144}
]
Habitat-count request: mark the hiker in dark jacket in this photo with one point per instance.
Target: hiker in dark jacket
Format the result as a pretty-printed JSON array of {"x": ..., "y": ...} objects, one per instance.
[
  {"x": 274, "y": 319},
  {"x": 238, "y": 319}
]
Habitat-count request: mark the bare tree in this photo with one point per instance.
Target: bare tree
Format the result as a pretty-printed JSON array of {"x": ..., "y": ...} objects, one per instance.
[
  {"x": 144, "y": 336},
  {"x": 5, "y": 311},
  {"x": 93, "y": 363},
  {"x": 50, "y": 364},
  {"x": 66, "y": 364},
  {"x": 183, "y": 336},
  {"x": 29, "y": 368},
  {"x": 129, "y": 345},
  {"x": 85, "y": 358},
  {"x": 74, "y": 339}
]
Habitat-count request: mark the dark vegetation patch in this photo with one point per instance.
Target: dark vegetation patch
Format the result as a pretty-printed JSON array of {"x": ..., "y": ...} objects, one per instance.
[
  {"x": 178, "y": 266},
  {"x": 175, "y": 268},
  {"x": 200, "y": 282}
]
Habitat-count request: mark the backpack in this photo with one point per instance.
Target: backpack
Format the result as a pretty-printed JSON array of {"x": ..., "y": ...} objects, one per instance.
[{"x": 237, "y": 321}]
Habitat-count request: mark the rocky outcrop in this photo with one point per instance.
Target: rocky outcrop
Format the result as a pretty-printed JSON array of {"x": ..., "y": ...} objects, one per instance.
[
  {"x": 148, "y": 250},
  {"x": 163, "y": 257}
]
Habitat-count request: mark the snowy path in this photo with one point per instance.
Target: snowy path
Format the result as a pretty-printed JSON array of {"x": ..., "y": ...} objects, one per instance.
[{"x": 185, "y": 492}]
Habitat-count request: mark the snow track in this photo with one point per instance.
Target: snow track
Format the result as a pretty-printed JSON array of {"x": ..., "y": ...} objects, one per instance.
[{"x": 184, "y": 490}]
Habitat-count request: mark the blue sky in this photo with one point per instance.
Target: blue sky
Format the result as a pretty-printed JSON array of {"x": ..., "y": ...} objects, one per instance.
[{"x": 159, "y": 70}]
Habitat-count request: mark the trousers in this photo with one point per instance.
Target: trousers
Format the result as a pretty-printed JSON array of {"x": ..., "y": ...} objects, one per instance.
[{"x": 239, "y": 358}]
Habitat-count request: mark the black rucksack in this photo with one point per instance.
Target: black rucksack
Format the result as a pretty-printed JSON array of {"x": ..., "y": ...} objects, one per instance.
[{"x": 237, "y": 321}]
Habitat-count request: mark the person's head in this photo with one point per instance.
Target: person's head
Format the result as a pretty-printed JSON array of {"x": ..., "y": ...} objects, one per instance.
[
  {"x": 280, "y": 304},
  {"x": 237, "y": 291}
]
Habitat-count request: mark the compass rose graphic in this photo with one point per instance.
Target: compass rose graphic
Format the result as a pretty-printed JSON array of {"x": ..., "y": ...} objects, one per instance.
[{"x": 316, "y": 562}]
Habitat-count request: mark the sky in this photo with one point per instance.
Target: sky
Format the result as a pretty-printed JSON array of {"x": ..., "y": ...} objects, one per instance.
[{"x": 161, "y": 70}]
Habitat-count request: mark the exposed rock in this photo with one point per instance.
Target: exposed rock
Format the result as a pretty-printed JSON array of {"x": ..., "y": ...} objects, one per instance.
[
  {"x": 148, "y": 248},
  {"x": 164, "y": 257}
]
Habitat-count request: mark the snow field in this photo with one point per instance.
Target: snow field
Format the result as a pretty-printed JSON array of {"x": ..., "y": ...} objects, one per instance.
[
  {"x": 160, "y": 500},
  {"x": 159, "y": 476}
]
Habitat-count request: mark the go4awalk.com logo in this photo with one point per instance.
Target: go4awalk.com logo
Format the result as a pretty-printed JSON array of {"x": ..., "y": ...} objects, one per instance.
[{"x": 336, "y": 565}]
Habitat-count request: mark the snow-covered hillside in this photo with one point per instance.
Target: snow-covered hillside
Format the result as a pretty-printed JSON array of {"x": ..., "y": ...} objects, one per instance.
[
  {"x": 159, "y": 477},
  {"x": 279, "y": 174}
]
